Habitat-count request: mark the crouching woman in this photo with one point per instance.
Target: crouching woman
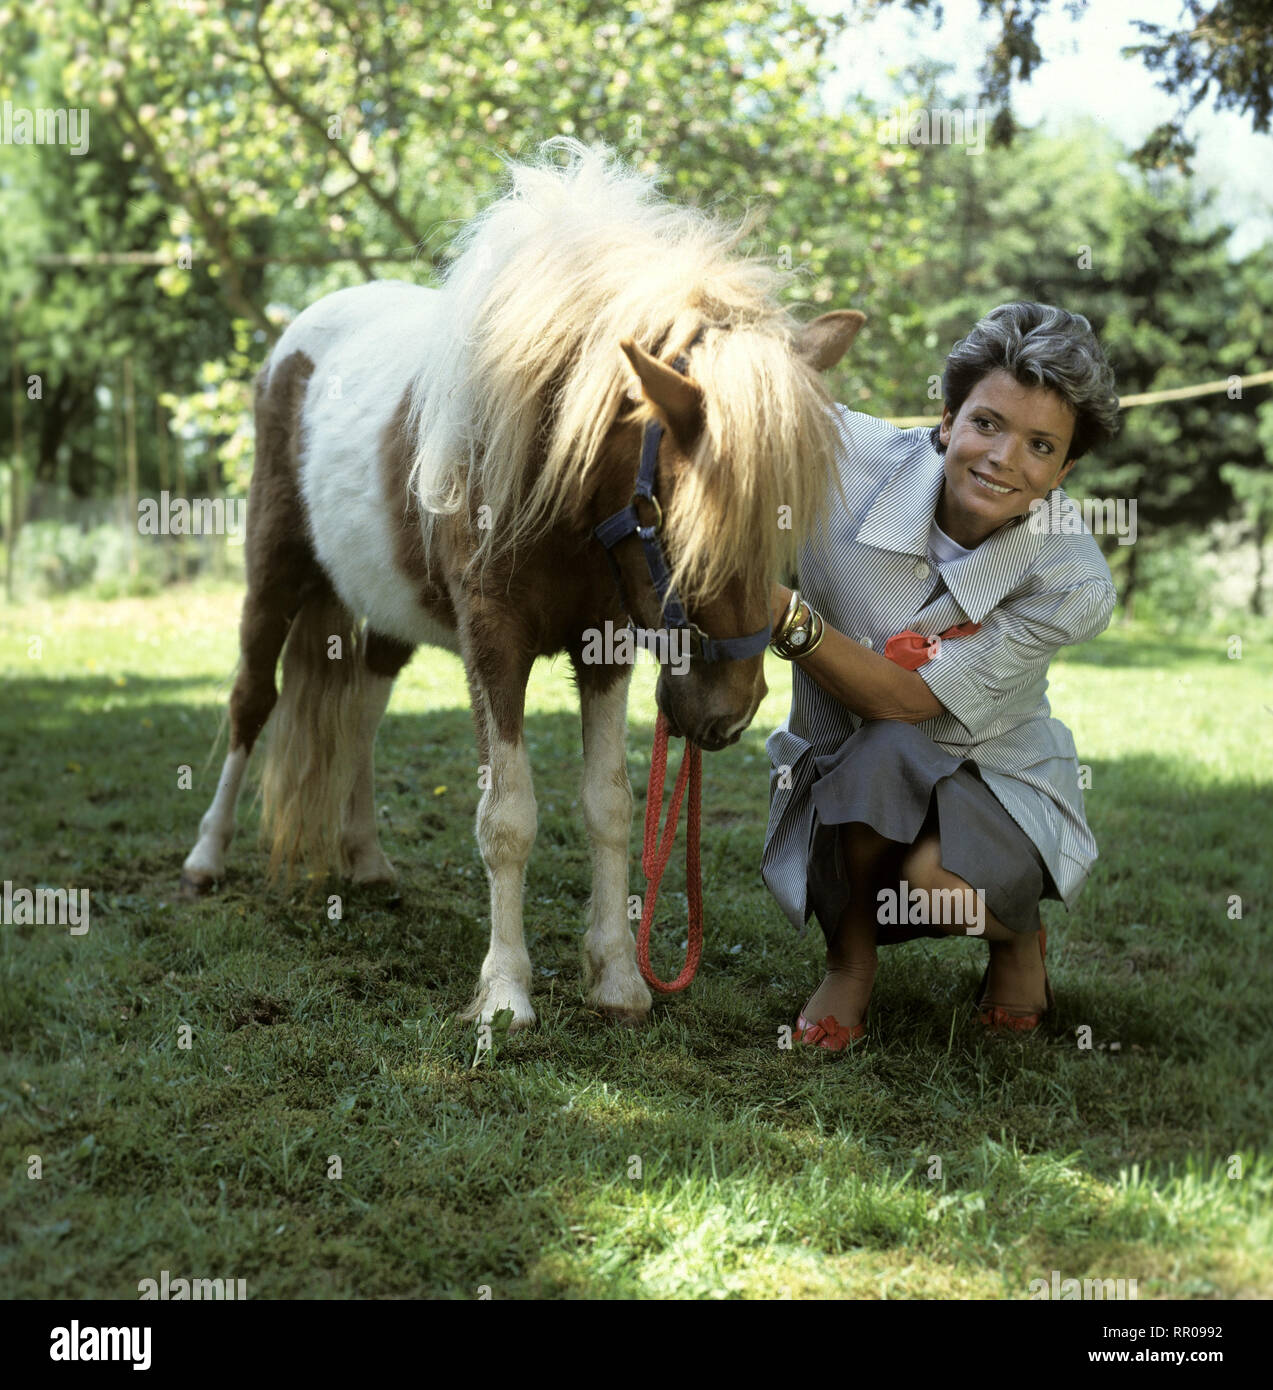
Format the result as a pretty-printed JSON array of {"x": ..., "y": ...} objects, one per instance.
[{"x": 920, "y": 786}]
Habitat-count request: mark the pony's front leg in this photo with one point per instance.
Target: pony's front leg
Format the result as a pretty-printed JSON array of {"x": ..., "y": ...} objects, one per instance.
[
  {"x": 614, "y": 985},
  {"x": 507, "y": 820}
]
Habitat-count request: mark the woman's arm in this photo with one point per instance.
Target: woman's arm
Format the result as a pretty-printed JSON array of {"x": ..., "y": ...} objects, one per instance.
[{"x": 868, "y": 684}]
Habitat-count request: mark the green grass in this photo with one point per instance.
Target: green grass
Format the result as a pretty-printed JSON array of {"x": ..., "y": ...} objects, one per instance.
[{"x": 762, "y": 1173}]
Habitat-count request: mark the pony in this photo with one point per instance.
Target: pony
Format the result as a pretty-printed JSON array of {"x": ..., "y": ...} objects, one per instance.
[{"x": 435, "y": 467}]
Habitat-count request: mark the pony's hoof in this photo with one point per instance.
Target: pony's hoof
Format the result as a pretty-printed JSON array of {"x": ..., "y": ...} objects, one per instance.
[
  {"x": 196, "y": 883},
  {"x": 620, "y": 995},
  {"x": 371, "y": 869},
  {"x": 519, "y": 1024},
  {"x": 374, "y": 873},
  {"x": 483, "y": 1012}
]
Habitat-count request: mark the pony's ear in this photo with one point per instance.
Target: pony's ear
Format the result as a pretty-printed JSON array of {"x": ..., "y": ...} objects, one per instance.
[
  {"x": 826, "y": 339},
  {"x": 678, "y": 399}
]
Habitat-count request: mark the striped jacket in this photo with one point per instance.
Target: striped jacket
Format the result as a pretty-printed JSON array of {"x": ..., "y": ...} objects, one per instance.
[{"x": 870, "y": 576}]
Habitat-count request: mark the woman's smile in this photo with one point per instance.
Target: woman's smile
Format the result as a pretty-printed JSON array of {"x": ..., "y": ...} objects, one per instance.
[{"x": 1000, "y": 489}]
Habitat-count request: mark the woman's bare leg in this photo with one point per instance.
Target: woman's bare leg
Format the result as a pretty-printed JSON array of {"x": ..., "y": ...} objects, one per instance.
[
  {"x": 1016, "y": 965},
  {"x": 846, "y": 989}
]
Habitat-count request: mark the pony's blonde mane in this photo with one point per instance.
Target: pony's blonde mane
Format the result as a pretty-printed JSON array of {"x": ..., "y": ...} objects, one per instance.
[{"x": 549, "y": 279}]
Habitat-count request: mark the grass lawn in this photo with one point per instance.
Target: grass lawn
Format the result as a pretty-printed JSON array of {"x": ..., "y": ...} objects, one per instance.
[{"x": 693, "y": 1158}]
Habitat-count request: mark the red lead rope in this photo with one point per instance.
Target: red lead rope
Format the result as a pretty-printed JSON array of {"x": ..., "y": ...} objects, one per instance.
[{"x": 654, "y": 855}]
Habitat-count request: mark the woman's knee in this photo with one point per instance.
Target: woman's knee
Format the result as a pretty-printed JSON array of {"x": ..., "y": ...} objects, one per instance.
[
  {"x": 863, "y": 847},
  {"x": 921, "y": 864}
]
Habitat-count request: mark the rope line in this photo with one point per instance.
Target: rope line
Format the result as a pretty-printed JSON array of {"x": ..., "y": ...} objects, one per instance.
[
  {"x": 1174, "y": 393},
  {"x": 655, "y": 854}
]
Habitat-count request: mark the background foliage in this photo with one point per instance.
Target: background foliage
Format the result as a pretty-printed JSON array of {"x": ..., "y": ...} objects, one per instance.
[{"x": 246, "y": 159}]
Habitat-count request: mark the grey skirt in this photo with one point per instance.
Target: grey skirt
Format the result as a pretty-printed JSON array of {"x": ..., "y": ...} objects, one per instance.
[{"x": 892, "y": 777}]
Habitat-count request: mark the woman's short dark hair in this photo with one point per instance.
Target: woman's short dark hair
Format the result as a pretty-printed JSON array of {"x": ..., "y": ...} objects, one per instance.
[{"x": 1040, "y": 345}]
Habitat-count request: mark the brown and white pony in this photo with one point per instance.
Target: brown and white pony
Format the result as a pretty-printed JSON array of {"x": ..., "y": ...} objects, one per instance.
[{"x": 435, "y": 461}]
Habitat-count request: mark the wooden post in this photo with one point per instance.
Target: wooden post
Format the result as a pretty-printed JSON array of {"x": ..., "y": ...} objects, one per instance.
[
  {"x": 161, "y": 442},
  {"x": 213, "y": 547},
  {"x": 15, "y": 476},
  {"x": 1130, "y": 579},
  {"x": 1261, "y": 534},
  {"x": 130, "y": 415},
  {"x": 161, "y": 447},
  {"x": 117, "y": 437},
  {"x": 181, "y": 544}
]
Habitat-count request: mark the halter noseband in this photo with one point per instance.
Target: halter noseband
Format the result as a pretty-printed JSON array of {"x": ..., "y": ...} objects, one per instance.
[{"x": 623, "y": 523}]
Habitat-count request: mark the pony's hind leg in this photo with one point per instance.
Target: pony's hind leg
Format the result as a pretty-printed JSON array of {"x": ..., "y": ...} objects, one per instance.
[
  {"x": 262, "y": 632},
  {"x": 281, "y": 574},
  {"x": 363, "y": 859}
]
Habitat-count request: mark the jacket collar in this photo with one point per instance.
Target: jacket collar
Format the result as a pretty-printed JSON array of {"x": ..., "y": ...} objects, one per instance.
[{"x": 900, "y": 517}]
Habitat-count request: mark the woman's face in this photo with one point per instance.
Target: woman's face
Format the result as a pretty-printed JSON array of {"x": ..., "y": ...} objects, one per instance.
[{"x": 1006, "y": 436}]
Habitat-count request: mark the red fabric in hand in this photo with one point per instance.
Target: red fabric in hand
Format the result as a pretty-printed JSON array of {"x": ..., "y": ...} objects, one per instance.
[{"x": 912, "y": 649}]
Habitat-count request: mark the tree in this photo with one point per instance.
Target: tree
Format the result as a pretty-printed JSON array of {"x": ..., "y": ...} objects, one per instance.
[
  {"x": 1227, "y": 45},
  {"x": 263, "y": 155}
]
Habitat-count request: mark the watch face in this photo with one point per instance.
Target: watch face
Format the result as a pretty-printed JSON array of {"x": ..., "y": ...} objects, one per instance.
[{"x": 798, "y": 639}]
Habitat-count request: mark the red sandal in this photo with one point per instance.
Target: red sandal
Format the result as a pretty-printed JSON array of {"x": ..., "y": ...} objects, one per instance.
[
  {"x": 1001, "y": 1022},
  {"x": 827, "y": 1033}
]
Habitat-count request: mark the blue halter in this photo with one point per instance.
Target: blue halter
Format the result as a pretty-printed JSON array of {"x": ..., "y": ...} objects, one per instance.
[{"x": 624, "y": 522}]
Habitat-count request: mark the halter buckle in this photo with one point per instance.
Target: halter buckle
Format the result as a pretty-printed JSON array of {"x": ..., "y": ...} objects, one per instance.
[
  {"x": 698, "y": 639},
  {"x": 647, "y": 531}
]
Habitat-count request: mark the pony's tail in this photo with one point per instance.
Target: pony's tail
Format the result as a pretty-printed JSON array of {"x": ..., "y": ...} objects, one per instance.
[{"x": 309, "y": 758}]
